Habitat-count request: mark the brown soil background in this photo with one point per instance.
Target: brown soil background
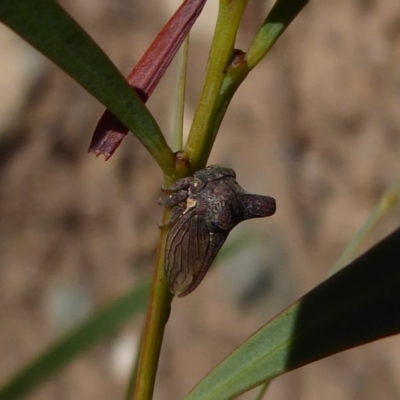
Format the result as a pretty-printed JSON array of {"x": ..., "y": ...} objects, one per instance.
[{"x": 316, "y": 125}]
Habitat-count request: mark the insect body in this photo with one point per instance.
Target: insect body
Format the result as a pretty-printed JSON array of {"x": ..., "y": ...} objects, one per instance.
[{"x": 205, "y": 208}]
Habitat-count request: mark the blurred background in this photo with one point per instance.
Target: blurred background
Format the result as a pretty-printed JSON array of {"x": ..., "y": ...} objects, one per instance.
[{"x": 316, "y": 125}]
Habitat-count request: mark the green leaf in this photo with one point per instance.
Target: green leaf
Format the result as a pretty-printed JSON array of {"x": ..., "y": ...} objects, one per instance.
[
  {"x": 386, "y": 203},
  {"x": 277, "y": 21},
  {"x": 47, "y": 27},
  {"x": 78, "y": 341},
  {"x": 357, "y": 305}
]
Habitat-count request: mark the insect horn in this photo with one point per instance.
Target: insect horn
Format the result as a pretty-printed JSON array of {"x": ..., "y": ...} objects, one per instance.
[{"x": 257, "y": 206}]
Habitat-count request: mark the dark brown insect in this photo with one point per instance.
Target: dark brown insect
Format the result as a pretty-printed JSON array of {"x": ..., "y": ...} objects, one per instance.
[{"x": 205, "y": 208}]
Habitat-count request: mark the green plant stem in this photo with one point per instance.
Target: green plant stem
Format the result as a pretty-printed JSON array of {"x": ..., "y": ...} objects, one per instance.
[
  {"x": 279, "y": 18},
  {"x": 132, "y": 377},
  {"x": 156, "y": 319},
  {"x": 386, "y": 203},
  {"x": 212, "y": 107},
  {"x": 262, "y": 390},
  {"x": 180, "y": 95},
  {"x": 235, "y": 75},
  {"x": 201, "y": 133}
]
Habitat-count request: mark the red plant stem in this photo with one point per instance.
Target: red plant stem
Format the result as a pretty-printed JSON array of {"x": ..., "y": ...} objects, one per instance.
[{"x": 147, "y": 73}]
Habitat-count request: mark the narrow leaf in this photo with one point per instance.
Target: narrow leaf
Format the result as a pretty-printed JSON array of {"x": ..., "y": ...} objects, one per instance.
[
  {"x": 46, "y": 26},
  {"x": 277, "y": 21},
  {"x": 145, "y": 76},
  {"x": 81, "y": 339},
  {"x": 387, "y": 202},
  {"x": 357, "y": 305}
]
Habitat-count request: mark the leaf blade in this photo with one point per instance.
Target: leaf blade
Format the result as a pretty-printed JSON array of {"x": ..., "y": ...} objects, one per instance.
[
  {"x": 353, "y": 307},
  {"x": 77, "y": 341},
  {"x": 48, "y": 28},
  {"x": 147, "y": 73}
]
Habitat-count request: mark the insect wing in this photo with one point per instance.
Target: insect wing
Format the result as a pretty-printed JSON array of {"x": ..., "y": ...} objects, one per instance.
[
  {"x": 186, "y": 247},
  {"x": 216, "y": 240},
  {"x": 190, "y": 250}
]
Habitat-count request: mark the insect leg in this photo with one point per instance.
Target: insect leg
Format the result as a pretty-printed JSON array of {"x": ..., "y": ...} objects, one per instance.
[
  {"x": 174, "y": 198},
  {"x": 180, "y": 184}
]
